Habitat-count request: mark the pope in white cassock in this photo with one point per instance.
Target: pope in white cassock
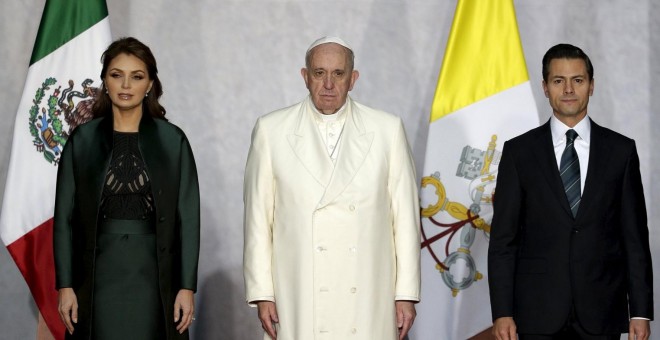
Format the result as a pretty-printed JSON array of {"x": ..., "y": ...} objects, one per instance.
[{"x": 331, "y": 213}]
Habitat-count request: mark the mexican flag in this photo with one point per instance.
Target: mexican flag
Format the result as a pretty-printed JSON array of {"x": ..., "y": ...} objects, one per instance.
[
  {"x": 482, "y": 99},
  {"x": 61, "y": 84}
]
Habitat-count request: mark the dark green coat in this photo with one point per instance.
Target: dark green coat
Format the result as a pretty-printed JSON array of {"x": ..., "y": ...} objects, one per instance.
[{"x": 82, "y": 169}]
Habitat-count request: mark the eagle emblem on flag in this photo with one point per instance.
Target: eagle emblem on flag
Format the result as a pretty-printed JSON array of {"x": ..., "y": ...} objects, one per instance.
[{"x": 52, "y": 120}]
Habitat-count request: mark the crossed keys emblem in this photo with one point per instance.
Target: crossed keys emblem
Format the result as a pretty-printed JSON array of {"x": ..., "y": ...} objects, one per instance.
[{"x": 475, "y": 165}]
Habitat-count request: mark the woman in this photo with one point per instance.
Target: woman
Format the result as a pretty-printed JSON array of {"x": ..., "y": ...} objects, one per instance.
[{"x": 126, "y": 230}]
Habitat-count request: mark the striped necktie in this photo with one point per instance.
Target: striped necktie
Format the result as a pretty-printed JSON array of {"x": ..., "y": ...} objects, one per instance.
[{"x": 569, "y": 170}]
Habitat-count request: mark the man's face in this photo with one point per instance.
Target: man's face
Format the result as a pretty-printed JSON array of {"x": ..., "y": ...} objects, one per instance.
[
  {"x": 328, "y": 78},
  {"x": 568, "y": 89}
]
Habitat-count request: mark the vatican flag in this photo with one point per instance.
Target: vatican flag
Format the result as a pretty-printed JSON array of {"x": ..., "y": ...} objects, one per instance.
[{"x": 482, "y": 99}]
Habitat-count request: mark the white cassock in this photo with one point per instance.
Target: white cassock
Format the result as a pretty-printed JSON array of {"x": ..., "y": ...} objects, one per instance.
[{"x": 333, "y": 243}]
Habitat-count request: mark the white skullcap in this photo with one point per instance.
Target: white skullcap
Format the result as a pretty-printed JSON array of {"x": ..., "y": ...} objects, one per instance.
[{"x": 325, "y": 40}]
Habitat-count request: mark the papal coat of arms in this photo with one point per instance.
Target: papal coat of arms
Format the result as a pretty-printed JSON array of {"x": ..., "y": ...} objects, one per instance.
[
  {"x": 51, "y": 121},
  {"x": 478, "y": 168}
]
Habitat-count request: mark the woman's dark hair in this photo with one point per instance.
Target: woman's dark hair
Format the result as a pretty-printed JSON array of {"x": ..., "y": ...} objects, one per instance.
[
  {"x": 131, "y": 46},
  {"x": 565, "y": 51}
]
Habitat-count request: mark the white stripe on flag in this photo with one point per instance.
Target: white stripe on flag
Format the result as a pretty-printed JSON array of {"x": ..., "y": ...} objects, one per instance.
[{"x": 30, "y": 188}]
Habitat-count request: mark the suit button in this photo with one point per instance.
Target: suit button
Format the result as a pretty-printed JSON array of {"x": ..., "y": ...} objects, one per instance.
[
  {"x": 353, "y": 290},
  {"x": 353, "y": 330},
  {"x": 161, "y": 219},
  {"x": 575, "y": 231},
  {"x": 351, "y": 207}
]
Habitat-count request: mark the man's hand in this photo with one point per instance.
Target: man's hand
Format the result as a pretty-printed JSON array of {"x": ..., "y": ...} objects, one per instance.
[
  {"x": 184, "y": 309},
  {"x": 268, "y": 317},
  {"x": 504, "y": 328},
  {"x": 640, "y": 329},
  {"x": 405, "y": 316},
  {"x": 68, "y": 307}
]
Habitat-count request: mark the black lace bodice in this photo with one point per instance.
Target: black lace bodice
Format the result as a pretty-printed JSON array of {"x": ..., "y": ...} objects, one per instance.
[{"x": 127, "y": 188}]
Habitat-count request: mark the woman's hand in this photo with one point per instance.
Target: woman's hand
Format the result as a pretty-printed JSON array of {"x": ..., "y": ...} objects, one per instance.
[
  {"x": 184, "y": 309},
  {"x": 68, "y": 307}
]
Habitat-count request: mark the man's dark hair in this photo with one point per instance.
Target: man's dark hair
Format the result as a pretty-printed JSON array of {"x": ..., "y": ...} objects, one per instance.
[{"x": 566, "y": 51}]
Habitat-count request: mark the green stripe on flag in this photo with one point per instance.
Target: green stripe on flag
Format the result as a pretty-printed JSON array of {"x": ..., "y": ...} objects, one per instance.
[
  {"x": 484, "y": 56},
  {"x": 62, "y": 21}
]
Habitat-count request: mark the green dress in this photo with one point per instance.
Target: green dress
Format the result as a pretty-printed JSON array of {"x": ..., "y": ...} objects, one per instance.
[
  {"x": 126, "y": 286},
  {"x": 79, "y": 224}
]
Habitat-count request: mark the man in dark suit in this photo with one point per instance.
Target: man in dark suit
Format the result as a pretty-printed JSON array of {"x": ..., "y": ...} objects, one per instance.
[{"x": 569, "y": 253}]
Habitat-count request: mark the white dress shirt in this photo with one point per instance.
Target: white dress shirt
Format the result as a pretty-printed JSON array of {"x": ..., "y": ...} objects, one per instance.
[
  {"x": 581, "y": 143},
  {"x": 331, "y": 128}
]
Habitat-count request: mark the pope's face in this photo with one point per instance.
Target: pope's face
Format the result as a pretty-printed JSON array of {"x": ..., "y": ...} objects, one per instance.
[
  {"x": 568, "y": 89},
  {"x": 328, "y": 78}
]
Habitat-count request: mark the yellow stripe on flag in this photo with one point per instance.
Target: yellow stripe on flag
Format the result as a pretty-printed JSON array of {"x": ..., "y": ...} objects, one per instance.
[{"x": 484, "y": 56}]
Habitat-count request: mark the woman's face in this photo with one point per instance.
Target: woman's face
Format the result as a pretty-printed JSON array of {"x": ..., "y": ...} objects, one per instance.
[{"x": 127, "y": 82}]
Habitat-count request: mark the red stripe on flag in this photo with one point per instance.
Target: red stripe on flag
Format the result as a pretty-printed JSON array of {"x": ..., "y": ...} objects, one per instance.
[{"x": 33, "y": 254}]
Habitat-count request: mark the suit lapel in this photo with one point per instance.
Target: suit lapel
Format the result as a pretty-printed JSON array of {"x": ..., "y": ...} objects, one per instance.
[
  {"x": 153, "y": 152},
  {"x": 598, "y": 159},
  {"x": 308, "y": 146},
  {"x": 354, "y": 147},
  {"x": 548, "y": 167},
  {"x": 101, "y": 158}
]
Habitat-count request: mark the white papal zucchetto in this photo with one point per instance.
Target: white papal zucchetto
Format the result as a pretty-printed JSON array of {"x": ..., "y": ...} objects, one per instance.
[{"x": 325, "y": 40}]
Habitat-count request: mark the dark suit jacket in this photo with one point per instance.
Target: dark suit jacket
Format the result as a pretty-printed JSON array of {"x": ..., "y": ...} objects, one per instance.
[
  {"x": 81, "y": 174},
  {"x": 542, "y": 261}
]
